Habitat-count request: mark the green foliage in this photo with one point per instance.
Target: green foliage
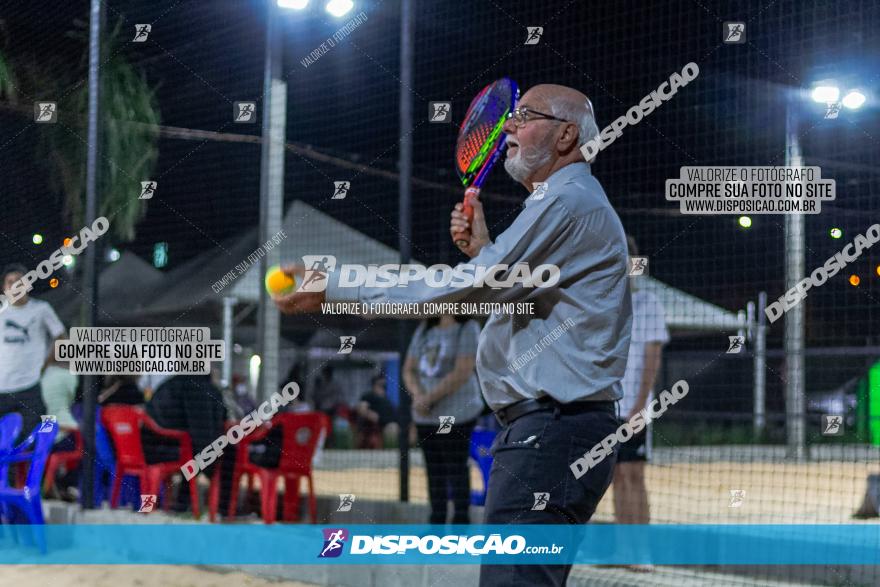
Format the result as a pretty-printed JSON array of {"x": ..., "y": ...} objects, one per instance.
[
  {"x": 7, "y": 80},
  {"x": 129, "y": 116}
]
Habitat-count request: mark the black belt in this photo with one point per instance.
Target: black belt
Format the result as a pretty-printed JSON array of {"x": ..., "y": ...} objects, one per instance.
[{"x": 546, "y": 403}]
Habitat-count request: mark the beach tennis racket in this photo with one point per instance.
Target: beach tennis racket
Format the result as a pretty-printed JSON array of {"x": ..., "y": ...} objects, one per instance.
[{"x": 480, "y": 140}]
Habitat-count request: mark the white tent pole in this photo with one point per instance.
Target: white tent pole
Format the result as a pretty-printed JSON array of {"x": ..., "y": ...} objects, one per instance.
[
  {"x": 228, "y": 305},
  {"x": 760, "y": 366}
]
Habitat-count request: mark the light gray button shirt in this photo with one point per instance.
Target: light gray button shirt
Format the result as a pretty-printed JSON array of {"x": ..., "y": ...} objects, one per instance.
[{"x": 574, "y": 346}]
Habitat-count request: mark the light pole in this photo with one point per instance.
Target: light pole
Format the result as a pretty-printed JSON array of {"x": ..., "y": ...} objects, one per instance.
[
  {"x": 795, "y": 245},
  {"x": 274, "y": 130}
]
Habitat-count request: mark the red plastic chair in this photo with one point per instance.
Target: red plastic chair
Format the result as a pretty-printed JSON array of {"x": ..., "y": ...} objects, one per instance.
[
  {"x": 300, "y": 434},
  {"x": 124, "y": 424},
  {"x": 70, "y": 459}
]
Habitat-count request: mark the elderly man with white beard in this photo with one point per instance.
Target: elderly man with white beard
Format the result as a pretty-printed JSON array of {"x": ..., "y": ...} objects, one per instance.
[{"x": 557, "y": 406}]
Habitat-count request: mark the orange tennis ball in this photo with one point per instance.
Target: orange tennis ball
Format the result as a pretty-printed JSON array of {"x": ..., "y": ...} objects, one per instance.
[{"x": 278, "y": 283}]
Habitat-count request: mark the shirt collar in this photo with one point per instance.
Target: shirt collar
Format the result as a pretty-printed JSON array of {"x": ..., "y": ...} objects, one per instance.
[{"x": 558, "y": 178}]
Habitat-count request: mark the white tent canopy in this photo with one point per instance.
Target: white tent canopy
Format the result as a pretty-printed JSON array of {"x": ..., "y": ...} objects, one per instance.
[{"x": 311, "y": 232}]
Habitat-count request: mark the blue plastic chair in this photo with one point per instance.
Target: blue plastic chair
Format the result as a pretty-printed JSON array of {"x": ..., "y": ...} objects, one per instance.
[
  {"x": 10, "y": 426},
  {"x": 481, "y": 442},
  {"x": 105, "y": 467},
  {"x": 25, "y": 503}
]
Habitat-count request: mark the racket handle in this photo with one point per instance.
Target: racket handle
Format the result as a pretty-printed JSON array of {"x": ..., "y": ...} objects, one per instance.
[{"x": 463, "y": 239}]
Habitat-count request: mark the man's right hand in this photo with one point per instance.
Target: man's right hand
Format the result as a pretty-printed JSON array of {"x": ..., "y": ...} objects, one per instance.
[{"x": 478, "y": 231}]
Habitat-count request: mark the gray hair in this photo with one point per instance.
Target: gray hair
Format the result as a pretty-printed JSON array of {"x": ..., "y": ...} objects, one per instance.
[{"x": 579, "y": 114}]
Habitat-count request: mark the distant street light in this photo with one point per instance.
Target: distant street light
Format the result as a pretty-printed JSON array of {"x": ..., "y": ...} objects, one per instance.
[
  {"x": 854, "y": 99},
  {"x": 293, "y": 4},
  {"x": 339, "y": 8},
  {"x": 826, "y": 94}
]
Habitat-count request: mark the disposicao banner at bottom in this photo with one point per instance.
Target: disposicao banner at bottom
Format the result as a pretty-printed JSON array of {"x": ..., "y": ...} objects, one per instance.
[{"x": 200, "y": 544}]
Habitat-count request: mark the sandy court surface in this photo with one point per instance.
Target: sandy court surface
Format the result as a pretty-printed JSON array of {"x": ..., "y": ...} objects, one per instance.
[
  {"x": 128, "y": 576},
  {"x": 686, "y": 493}
]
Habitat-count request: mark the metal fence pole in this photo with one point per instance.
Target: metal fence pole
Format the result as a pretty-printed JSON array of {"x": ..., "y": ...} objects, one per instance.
[{"x": 794, "y": 318}]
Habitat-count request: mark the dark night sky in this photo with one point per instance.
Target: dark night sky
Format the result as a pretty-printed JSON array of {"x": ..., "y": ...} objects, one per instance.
[{"x": 205, "y": 55}]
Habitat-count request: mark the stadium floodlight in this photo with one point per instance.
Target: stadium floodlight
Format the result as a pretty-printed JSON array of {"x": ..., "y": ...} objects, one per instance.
[
  {"x": 826, "y": 94},
  {"x": 293, "y": 4},
  {"x": 854, "y": 99},
  {"x": 339, "y": 8}
]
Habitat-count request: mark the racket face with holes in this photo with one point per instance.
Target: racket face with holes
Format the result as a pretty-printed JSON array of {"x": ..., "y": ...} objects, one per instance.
[{"x": 480, "y": 138}]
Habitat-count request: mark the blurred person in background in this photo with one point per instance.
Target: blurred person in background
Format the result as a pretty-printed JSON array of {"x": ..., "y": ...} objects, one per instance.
[
  {"x": 327, "y": 393},
  {"x": 376, "y": 416},
  {"x": 193, "y": 404},
  {"x": 649, "y": 334},
  {"x": 439, "y": 373},
  {"x": 59, "y": 393},
  {"x": 28, "y": 331},
  {"x": 121, "y": 389}
]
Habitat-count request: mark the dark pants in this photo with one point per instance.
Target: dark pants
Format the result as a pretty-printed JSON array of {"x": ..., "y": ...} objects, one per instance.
[
  {"x": 446, "y": 461},
  {"x": 524, "y": 466},
  {"x": 28, "y": 403}
]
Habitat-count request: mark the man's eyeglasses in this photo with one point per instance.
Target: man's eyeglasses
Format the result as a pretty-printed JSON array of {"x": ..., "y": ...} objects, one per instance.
[{"x": 522, "y": 115}]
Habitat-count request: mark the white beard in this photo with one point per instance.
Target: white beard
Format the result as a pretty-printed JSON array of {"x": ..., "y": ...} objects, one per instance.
[{"x": 521, "y": 165}]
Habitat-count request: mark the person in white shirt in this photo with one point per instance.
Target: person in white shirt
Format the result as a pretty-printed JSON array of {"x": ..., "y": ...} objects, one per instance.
[
  {"x": 649, "y": 334},
  {"x": 28, "y": 330},
  {"x": 59, "y": 392}
]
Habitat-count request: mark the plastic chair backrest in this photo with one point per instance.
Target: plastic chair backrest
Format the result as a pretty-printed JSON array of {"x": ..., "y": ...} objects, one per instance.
[
  {"x": 10, "y": 426},
  {"x": 123, "y": 424},
  {"x": 300, "y": 435},
  {"x": 481, "y": 442},
  {"x": 42, "y": 439}
]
